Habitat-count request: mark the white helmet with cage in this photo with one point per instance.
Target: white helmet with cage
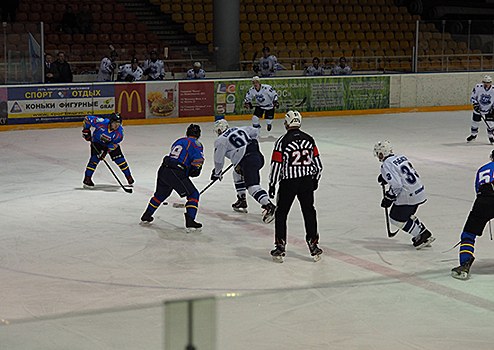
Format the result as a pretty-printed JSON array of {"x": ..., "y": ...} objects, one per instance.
[
  {"x": 383, "y": 149},
  {"x": 487, "y": 79},
  {"x": 220, "y": 126},
  {"x": 293, "y": 118}
]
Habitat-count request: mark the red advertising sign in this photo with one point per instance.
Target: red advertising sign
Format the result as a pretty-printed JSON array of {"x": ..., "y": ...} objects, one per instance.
[
  {"x": 130, "y": 100},
  {"x": 196, "y": 99}
]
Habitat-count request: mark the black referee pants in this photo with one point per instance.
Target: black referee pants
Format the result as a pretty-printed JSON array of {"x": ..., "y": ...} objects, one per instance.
[{"x": 303, "y": 189}]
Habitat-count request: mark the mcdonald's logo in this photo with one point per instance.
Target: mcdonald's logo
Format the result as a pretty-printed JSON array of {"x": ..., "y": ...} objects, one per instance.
[{"x": 129, "y": 101}]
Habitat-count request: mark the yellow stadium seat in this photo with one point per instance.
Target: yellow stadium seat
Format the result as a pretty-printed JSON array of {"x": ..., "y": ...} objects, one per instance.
[
  {"x": 254, "y": 27},
  {"x": 275, "y": 27},
  {"x": 320, "y": 36},
  {"x": 186, "y": 8},
  {"x": 278, "y": 36},
  {"x": 330, "y": 36},
  {"x": 245, "y": 37},
  {"x": 177, "y": 17},
  {"x": 188, "y": 17},
  {"x": 202, "y": 38},
  {"x": 244, "y": 27},
  {"x": 291, "y": 46},
  {"x": 256, "y": 36},
  {"x": 273, "y": 17},
  {"x": 189, "y": 28},
  {"x": 262, "y": 17},
  {"x": 310, "y": 36},
  {"x": 289, "y": 36},
  {"x": 267, "y": 36}
]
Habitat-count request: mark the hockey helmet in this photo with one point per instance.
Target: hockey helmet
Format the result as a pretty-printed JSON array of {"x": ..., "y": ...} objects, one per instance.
[
  {"x": 197, "y": 65},
  {"x": 220, "y": 126},
  {"x": 116, "y": 117},
  {"x": 383, "y": 149},
  {"x": 134, "y": 60},
  {"x": 265, "y": 49},
  {"x": 487, "y": 79},
  {"x": 193, "y": 130},
  {"x": 293, "y": 118},
  {"x": 256, "y": 78}
]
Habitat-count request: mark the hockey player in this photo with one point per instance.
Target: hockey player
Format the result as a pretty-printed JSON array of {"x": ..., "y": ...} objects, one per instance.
[
  {"x": 483, "y": 104},
  {"x": 197, "y": 72},
  {"x": 107, "y": 67},
  {"x": 296, "y": 166},
  {"x": 184, "y": 161},
  {"x": 268, "y": 64},
  {"x": 107, "y": 135},
  {"x": 130, "y": 71},
  {"x": 405, "y": 193},
  {"x": 315, "y": 69},
  {"x": 482, "y": 211},
  {"x": 240, "y": 145},
  {"x": 153, "y": 67},
  {"x": 267, "y": 101},
  {"x": 342, "y": 68}
]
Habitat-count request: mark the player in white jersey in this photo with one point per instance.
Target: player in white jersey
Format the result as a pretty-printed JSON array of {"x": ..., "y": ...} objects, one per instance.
[
  {"x": 483, "y": 105},
  {"x": 404, "y": 195},
  {"x": 153, "y": 67},
  {"x": 107, "y": 67},
  {"x": 342, "y": 68},
  {"x": 240, "y": 145},
  {"x": 267, "y": 101},
  {"x": 315, "y": 69},
  {"x": 197, "y": 72},
  {"x": 130, "y": 71},
  {"x": 268, "y": 64}
]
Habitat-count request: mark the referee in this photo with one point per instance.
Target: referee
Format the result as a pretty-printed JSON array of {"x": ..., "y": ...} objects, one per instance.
[{"x": 297, "y": 166}]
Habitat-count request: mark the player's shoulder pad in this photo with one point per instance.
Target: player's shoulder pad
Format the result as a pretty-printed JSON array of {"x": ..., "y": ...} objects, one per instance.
[{"x": 100, "y": 119}]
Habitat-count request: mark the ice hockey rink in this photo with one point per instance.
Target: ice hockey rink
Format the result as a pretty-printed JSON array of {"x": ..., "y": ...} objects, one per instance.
[{"x": 78, "y": 271}]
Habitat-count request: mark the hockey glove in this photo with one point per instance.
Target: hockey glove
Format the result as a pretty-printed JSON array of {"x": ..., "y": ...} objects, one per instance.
[
  {"x": 113, "y": 66},
  {"x": 215, "y": 177},
  {"x": 161, "y": 77},
  {"x": 276, "y": 104},
  {"x": 476, "y": 107},
  {"x": 102, "y": 154},
  {"x": 381, "y": 180},
  {"x": 272, "y": 191},
  {"x": 238, "y": 169},
  {"x": 147, "y": 71},
  {"x": 86, "y": 134},
  {"x": 248, "y": 105},
  {"x": 129, "y": 78},
  {"x": 388, "y": 200},
  {"x": 195, "y": 171}
]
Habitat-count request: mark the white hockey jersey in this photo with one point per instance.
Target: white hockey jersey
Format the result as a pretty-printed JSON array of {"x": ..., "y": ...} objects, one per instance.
[
  {"x": 268, "y": 66},
  {"x": 483, "y": 97},
  {"x": 232, "y": 144},
  {"x": 403, "y": 180},
  {"x": 314, "y": 71},
  {"x": 156, "y": 69},
  {"x": 191, "y": 74},
  {"x": 105, "y": 70},
  {"x": 264, "y": 97},
  {"x": 126, "y": 69},
  {"x": 337, "y": 70}
]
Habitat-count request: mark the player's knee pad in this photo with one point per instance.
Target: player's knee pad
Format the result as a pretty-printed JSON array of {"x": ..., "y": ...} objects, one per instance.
[
  {"x": 116, "y": 154},
  {"x": 398, "y": 224},
  {"x": 255, "y": 121}
]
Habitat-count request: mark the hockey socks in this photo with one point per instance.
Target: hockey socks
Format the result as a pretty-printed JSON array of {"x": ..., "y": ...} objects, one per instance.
[
  {"x": 122, "y": 164},
  {"x": 91, "y": 166},
  {"x": 467, "y": 246},
  {"x": 154, "y": 203},
  {"x": 192, "y": 204},
  {"x": 259, "y": 194}
]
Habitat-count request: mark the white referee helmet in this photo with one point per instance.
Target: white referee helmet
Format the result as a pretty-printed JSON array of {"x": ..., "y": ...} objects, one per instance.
[
  {"x": 293, "y": 118},
  {"x": 487, "y": 79},
  {"x": 383, "y": 149},
  {"x": 220, "y": 126}
]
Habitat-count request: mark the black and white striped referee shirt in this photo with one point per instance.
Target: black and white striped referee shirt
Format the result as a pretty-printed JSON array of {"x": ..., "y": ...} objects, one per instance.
[{"x": 295, "y": 155}]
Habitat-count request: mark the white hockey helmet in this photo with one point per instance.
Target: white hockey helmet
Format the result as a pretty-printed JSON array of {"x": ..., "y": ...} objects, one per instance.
[
  {"x": 197, "y": 65},
  {"x": 383, "y": 149},
  {"x": 293, "y": 118},
  {"x": 487, "y": 79},
  {"x": 256, "y": 78},
  {"x": 220, "y": 126}
]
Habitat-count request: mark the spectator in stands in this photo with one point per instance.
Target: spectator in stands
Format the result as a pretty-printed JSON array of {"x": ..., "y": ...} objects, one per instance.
[
  {"x": 268, "y": 64},
  {"x": 85, "y": 20},
  {"x": 342, "y": 68},
  {"x": 130, "y": 71},
  {"x": 315, "y": 69},
  {"x": 63, "y": 69},
  {"x": 69, "y": 22},
  {"x": 153, "y": 67},
  {"x": 51, "y": 70},
  {"x": 107, "y": 67},
  {"x": 197, "y": 72},
  {"x": 9, "y": 7}
]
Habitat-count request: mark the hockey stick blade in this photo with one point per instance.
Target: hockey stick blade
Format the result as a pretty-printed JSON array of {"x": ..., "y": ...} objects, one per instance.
[
  {"x": 178, "y": 205},
  {"x": 302, "y": 102},
  {"x": 128, "y": 190}
]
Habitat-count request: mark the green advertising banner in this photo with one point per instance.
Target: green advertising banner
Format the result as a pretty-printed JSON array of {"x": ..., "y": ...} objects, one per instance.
[{"x": 308, "y": 94}]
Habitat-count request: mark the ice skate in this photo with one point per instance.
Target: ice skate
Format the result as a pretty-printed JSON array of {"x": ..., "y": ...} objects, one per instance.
[
  {"x": 315, "y": 251},
  {"x": 471, "y": 138},
  {"x": 130, "y": 180},
  {"x": 491, "y": 140},
  {"x": 268, "y": 213},
  {"x": 462, "y": 272},
  {"x": 278, "y": 253},
  {"x": 424, "y": 239},
  {"x": 147, "y": 218},
  {"x": 241, "y": 204},
  {"x": 191, "y": 225},
  {"x": 87, "y": 183},
  {"x": 269, "y": 127}
]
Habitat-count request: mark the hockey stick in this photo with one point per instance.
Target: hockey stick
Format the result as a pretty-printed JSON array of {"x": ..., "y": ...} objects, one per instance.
[
  {"x": 128, "y": 190},
  {"x": 253, "y": 63},
  {"x": 302, "y": 102},
  {"x": 386, "y": 215},
  {"x": 182, "y": 205},
  {"x": 487, "y": 125}
]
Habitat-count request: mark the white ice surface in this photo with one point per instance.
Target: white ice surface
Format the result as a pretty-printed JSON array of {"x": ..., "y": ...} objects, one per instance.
[{"x": 65, "y": 250}]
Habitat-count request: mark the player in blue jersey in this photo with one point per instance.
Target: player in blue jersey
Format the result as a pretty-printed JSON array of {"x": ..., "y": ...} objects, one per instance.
[
  {"x": 107, "y": 135},
  {"x": 184, "y": 161},
  {"x": 481, "y": 213}
]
